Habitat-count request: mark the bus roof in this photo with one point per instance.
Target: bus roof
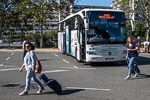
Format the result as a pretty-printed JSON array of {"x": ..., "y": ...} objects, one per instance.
[{"x": 89, "y": 9}]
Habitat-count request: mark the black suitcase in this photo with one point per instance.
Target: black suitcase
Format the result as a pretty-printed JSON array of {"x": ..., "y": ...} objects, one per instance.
[{"x": 52, "y": 83}]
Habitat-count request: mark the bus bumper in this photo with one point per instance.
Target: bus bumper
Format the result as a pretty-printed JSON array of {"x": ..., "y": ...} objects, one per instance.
[{"x": 105, "y": 59}]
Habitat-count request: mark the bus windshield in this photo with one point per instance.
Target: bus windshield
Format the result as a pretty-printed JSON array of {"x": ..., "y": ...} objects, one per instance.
[{"x": 106, "y": 27}]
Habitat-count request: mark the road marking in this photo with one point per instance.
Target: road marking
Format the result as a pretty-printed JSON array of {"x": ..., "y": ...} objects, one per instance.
[
  {"x": 56, "y": 55},
  {"x": 7, "y": 58},
  {"x": 86, "y": 68},
  {"x": 75, "y": 67},
  {"x": 9, "y": 69},
  {"x": 12, "y": 53},
  {"x": 9, "y": 66},
  {"x": 65, "y": 61},
  {"x": 1, "y": 65},
  {"x": 67, "y": 67},
  {"x": 94, "y": 89},
  {"x": 82, "y": 68},
  {"x": 54, "y": 71}
]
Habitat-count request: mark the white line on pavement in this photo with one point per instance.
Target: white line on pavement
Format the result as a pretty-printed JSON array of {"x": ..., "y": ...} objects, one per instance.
[
  {"x": 95, "y": 89},
  {"x": 67, "y": 67},
  {"x": 12, "y": 53},
  {"x": 65, "y": 61},
  {"x": 54, "y": 71},
  {"x": 56, "y": 55},
  {"x": 75, "y": 67},
  {"x": 86, "y": 68},
  {"x": 7, "y": 58},
  {"x": 1, "y": 65},
  {"x": 9, "y": 69}
]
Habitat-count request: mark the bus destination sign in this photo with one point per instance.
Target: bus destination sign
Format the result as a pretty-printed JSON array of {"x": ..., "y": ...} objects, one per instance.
[{"x": 106, "y": 16}]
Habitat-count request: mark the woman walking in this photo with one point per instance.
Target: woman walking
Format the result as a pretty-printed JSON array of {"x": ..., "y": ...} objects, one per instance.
[
  {"x": 29, "y": 63},
  {"x": 131, "y": 56}
]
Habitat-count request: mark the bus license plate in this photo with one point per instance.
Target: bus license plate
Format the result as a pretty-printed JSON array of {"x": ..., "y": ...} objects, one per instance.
[{"x": 109, "y": 58}]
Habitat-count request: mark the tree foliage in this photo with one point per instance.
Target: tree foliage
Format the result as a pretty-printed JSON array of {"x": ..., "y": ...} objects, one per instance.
[
  {"x": 28, "y": 14},
  {"x": 142, "y": 11}
]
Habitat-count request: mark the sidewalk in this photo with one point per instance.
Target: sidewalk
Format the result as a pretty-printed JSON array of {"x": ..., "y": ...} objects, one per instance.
[{"x": 36, "y": 49}]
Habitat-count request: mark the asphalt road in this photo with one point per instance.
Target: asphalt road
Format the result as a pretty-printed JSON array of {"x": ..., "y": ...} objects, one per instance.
[{"x": 80, "y": 81}]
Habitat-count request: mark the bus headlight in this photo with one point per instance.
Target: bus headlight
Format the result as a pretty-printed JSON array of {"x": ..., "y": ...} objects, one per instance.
[
  {"x": 91, "y": 48},
  {"x": 92, "y": 52}
]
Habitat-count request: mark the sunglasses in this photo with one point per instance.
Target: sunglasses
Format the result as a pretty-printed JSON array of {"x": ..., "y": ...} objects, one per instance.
[{"x": 27, "y": 46}]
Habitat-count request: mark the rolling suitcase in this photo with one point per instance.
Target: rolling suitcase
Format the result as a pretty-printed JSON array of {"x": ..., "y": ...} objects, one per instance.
[{"x": 52, "y": 83}]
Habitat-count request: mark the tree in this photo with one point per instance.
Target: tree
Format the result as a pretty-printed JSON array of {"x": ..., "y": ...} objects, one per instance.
[
  {"x": 4, "y": 12},
  {"x": 26, "y": 14},
  {"x": 144, "y": 12},
  {"x": 141, "y": 9},
  {"x": 39, "y": 12},
  {"x": 10, "y": 12}
]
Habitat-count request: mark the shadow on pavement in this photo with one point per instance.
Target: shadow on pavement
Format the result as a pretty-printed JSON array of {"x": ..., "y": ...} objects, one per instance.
[
  {"x": 45, "y": 59},
  {"x": 106, "y": 64},
  {"x": 143, "y": 76},
  {"x": 64, "y": 92},
  {"x": 143, "y": 60},
  {"x": 70, "y": 91}
]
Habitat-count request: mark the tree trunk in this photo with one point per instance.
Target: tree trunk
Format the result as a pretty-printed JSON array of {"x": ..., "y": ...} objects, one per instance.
[
  {"x": 1, "y": 23},
  {"x": 41, "y": 38},
  {"x": 148, "y": 32}
]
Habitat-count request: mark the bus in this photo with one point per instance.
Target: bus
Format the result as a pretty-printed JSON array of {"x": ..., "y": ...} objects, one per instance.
[{"x": 93, "y": 35}]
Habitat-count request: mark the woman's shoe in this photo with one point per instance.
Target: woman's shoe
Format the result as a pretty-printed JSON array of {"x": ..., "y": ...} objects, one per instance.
[
  {"x": 23, "y": 93},
  {"x": 40, "y": 90}
]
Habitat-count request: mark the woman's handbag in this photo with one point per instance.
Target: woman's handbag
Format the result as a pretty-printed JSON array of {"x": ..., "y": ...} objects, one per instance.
[{"x": 38, "y": 67}]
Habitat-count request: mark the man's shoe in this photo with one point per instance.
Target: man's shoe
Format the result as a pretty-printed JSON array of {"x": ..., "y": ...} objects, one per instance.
[
  {"x": 23, "y": 93},
  {"x": 40, "y": 90},
  {"x": 127, "y": 78}
]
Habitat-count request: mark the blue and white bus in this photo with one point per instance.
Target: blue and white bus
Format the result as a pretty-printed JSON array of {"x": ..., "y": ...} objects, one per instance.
[{"x": 94, "y": 35}]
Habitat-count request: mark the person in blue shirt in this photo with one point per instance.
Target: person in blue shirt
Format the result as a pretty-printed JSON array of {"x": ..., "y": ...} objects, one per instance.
[
  {"x": 29, "y": 64},
  {"x": 131, "y": 56}
]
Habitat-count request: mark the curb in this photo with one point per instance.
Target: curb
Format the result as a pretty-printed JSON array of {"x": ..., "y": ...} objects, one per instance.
[{"x": 36, "y": 50}]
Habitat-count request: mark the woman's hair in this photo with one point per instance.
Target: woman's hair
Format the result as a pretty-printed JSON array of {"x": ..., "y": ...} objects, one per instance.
[
  {"x": 128, "y": 39},
  {"x": 31, "y": 45}
]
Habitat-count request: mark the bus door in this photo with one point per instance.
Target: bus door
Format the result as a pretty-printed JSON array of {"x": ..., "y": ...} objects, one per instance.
[
  {"x": 83, "y": 47},
  {"x": 81, "y": 40},
  {"x": 63, "y": 43},
  {"x": 68, "y": 40}
]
